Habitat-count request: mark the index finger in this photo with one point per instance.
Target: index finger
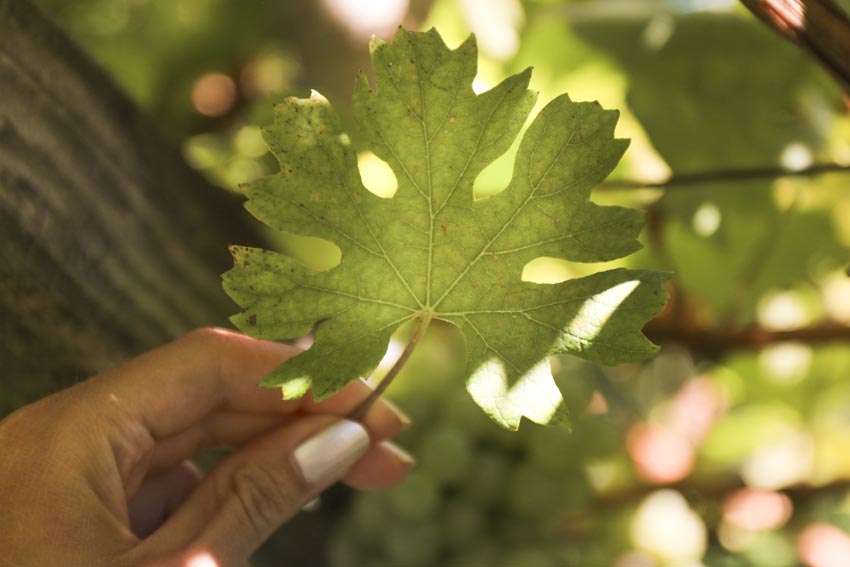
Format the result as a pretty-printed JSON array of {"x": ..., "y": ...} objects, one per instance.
[{"x": 175, "y": 386}]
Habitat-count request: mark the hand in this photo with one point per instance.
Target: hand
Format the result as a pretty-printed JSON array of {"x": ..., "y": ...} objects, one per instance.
[{"x": 97, "y": 474}]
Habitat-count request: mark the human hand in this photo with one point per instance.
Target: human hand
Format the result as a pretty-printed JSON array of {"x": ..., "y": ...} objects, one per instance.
[{"x": 97, "y": 474}]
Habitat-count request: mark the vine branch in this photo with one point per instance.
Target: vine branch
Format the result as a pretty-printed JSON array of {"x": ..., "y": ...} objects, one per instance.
[
  {"x": 714, "y": 343},
  {"x": 716, "y": 488},
  {"x": 685, "y": 180}
]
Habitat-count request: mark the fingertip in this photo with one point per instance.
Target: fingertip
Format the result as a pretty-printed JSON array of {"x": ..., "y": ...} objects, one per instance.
[
  {"x": 384, "y": 420},
  {"x": 384, "y": 465},
  {"x": 401, "y": 415}
]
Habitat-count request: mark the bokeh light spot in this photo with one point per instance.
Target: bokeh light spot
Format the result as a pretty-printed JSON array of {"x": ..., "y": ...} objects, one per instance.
[
  {"x": 776, "y": 465},
  {"x": 782, "y": 311},
  {"x": 786, "y": 363},
  {"x": 757, "y": 510},
  {"x": 824, "y": 545},
  {"x": 364, "y": 18},
  {"x": 660, "y": 455},
  {"x": 214, "y": 94},
  {"x": 494, "y": 23},
  {"x": 695, "y": 408},
  {"x": 666, "y": 527},
  {"x": 796, "y": 156},
  {"x": 706, "y": 219}
]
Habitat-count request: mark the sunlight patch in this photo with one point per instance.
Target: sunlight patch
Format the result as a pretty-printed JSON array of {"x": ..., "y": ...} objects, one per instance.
[
  {"x": 596, "y": 311},
  {"x": 534, "y": 395},
  {"x": 202, "y": 559}
]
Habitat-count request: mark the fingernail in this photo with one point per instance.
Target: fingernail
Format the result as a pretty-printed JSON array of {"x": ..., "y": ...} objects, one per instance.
[
  {"x": 326, "y": 456},
  {"x": 406, "y": 458},
  {"x": 402, "y": 417}
]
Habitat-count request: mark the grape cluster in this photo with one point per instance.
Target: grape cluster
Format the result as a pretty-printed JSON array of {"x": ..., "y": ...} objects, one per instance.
[{"x": 480, "y": 495}]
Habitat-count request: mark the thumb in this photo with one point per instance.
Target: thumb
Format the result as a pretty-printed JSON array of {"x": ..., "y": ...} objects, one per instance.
[{"x": 258, "y": 488}]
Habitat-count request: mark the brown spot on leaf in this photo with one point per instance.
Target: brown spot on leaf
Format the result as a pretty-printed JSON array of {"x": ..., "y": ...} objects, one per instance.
[
  {"x": 443, "y": 228},
  {"x": 252, "y": 320}
]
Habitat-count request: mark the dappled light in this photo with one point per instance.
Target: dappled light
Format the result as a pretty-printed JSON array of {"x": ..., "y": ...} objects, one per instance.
[
  {"x": 377, "y": 175},
  {"x": 781, "y": 311},
  {"x": 202, "y": 559},
  {"x": 268, "y": 74},
  {"x": 796, "y": 156},
  {"x": 596, "y": 310},
  {"x": 658, "y": 31},
  {"x": 365, "y": 18},
  {"x": 667, "y": 528},
  {"x": 495, "y": 23},
  {"x": 824, "y": 545},
  {"x": 727, "y": 445},
  {"x": 695, "y": 408},
  {"x": 757, "y": 510},
  {"x": 835, "y": 291},
  {"x": 707, "y": 219},
  {"x": 661, "y": 455},
  {"x": 604, "y": 475},
  {"x": 780, "y": 464},
  {"x": 534, "y": 394},
  {"x": 786, "y": 363}
]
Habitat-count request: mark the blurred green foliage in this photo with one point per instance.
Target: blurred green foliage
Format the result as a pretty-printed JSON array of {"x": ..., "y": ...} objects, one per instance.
[{"x": 735, "y": 457}]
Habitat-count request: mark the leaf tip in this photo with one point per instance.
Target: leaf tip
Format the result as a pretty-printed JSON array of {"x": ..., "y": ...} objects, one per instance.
[
  {"x": 294, "y": 388},
  {"x": 316, "y": 96},
  {"x": 361, "y": 83},
  {"x": 375, "y": 43},
  {"x": 234, "y": 319},
  {"x": 471, "y": 42},
  {"x": 525, "y": 75}
]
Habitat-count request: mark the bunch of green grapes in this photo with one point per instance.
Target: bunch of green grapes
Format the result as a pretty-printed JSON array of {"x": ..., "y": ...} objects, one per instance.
[{"x": 483, "y": 496}]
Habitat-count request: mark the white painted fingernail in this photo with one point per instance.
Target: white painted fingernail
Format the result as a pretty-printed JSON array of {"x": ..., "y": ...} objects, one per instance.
[{"x": 327, "y": 456}]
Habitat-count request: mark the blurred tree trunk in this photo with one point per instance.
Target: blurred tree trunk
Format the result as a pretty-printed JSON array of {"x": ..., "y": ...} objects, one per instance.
[
  {"x": 819, "y": 27},
  {"x": 109, "y": 243}
]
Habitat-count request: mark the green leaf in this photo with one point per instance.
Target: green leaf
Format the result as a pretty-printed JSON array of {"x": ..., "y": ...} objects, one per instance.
[{"x": 432, "y": 251}]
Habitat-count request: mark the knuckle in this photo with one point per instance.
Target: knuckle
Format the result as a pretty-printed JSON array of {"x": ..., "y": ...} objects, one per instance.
[
  {"x": 266, "y": 497},
  {"x": 214, "y": 344},
  {"x": 210, "y": 337}
]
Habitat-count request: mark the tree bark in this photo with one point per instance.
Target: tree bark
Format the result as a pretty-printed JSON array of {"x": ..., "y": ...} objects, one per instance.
[
  {"x": 820, "y": 27},
  {"x": 109, "y": 243}
]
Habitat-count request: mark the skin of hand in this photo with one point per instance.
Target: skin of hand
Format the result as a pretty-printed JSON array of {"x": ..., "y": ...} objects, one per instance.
[{"x": 97, "y": 475}]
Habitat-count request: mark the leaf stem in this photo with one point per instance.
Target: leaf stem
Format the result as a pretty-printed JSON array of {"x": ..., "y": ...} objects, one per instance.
[{"x": 418, "y": 332}]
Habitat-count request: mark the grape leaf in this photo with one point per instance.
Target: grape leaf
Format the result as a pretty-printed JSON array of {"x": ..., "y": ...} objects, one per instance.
[{"x": 432, "y": 251}]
